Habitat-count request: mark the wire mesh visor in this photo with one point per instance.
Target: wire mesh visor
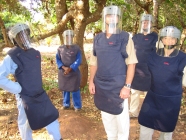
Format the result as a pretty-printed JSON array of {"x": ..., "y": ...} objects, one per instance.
[
  {"x": 145, "y": 24},
  {"x": 111, "y": 20},
  {"x": 23, "y": 39},
  {"x": 168, "y": 45},
  {"x": 68, "y": 36}
]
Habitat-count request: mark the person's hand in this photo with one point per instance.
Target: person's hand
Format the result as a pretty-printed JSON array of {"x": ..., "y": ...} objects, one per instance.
[
  {"x": 125, "y": 93},
  {"x": 67, "y": 70},
  {"x": 91, "y": 88}
]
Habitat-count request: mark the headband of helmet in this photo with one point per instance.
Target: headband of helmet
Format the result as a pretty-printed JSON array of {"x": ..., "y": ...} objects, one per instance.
[{"x": 146, "y": 17}]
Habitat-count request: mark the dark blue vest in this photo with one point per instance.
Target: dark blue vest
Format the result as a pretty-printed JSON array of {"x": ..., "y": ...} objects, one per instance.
[
  {"x": 160, "y": 109},
  {"x": 111, "y": 71},
  {"x": 38, "y": 107},
  {"x": 144, "y": 45},
  {"x": 70, "y": 82}
]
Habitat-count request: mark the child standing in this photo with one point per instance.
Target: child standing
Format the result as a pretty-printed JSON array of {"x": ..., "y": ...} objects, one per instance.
[{"x": 68, "y": 59}]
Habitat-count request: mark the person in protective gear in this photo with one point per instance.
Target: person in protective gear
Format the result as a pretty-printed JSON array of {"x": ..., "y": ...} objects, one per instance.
[
  {"x": 161, "y": 106},
  {"x": 112, "y": 20},
  {"x": 34, "y": 106},
  {"x": 145, "y": 26},
  {"x": 20, "y": 35},
  {"x": 112, "y": 66},
  {"x": 68, "y": 59},
  {"x": 145, "y": 44}
]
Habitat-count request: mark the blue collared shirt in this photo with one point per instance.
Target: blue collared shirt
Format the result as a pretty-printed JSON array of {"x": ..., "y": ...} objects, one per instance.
[{"x": 74, "y": 65}]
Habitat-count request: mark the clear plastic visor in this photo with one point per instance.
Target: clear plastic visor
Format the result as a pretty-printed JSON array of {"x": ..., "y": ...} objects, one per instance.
[
  {"x": 112, "y": 24},
  {"x": 23, "y": 39},
  {"x": 145, "y": 27},
  {"x": 68, "y": 40},
  {"x": 168, "y": 46}
]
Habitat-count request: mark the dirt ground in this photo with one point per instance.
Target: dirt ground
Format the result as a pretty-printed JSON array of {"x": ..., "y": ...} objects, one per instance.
[{"x": 83, "y": 125}]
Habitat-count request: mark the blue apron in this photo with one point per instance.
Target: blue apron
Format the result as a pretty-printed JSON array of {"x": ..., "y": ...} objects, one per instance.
[
  {"x": 38, "y": 107},
  {"x": 71, "y": 81},
  {"x": 144, "y": 45},
  {"x": 161, "y": 106},
  {"x": 111, "y": 71}
]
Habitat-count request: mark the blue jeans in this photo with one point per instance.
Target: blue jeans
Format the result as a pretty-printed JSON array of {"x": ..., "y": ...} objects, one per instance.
[
  {"x": 76, "y": 98},
  {"x": 24, "y": 127}
]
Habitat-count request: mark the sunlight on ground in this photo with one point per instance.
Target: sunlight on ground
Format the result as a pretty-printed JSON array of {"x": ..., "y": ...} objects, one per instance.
[
  {"x": 41, "y": 135},
  {"x": 53, "y": 48},
  {"x": 88, "y": 47}
]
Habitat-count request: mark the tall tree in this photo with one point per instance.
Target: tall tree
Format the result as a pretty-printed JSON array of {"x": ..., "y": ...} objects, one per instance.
[
  {"x": 77, "y": 15},
  {"x": 4, "y": 32}
]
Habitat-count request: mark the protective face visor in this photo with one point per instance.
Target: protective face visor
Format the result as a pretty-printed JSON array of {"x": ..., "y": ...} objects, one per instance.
[
  {"x": 20, "y": 35},
  {"x": 68, "y": 37},
  {"x": 111, "y": 20},
  {"x": 23, "y": 39},
  {"x": 145, "y": 24},
  {"x": 68, "y": 40},
  {"x": 168, "y": 44}
]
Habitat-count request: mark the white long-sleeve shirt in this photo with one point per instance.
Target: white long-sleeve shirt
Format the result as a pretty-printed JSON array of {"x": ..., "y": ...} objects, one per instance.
[
  {"x": 184, "y": 77},
  {"x": 7, "y": 66}
]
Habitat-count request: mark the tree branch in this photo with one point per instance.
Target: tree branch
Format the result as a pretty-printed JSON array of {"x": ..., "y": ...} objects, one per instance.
[
  {"x": 180, "y": 17},
  {"x": 97, "y": 14}
]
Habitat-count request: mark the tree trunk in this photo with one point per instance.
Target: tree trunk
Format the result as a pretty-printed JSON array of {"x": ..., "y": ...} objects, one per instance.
[
  {"x": 61, "y": 9},
  {"x": 155, "y": 14},
  {"x": 79, "y": 16},
  {"x": 4, "y": 32},
  {"x": 182, "y": 40},
  {"x": 79, "y": 30},
  {"x": 61, "y": 38}
]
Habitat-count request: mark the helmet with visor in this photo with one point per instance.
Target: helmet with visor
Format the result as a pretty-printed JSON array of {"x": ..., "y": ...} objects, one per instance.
[
  {"x": 169, "y": 38},
  {"x": 112, "y": 20},
  {"x": 68, "y": 36},
  {"x": 146, "y": 21},
  {"x": 19, "y": 34}
]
